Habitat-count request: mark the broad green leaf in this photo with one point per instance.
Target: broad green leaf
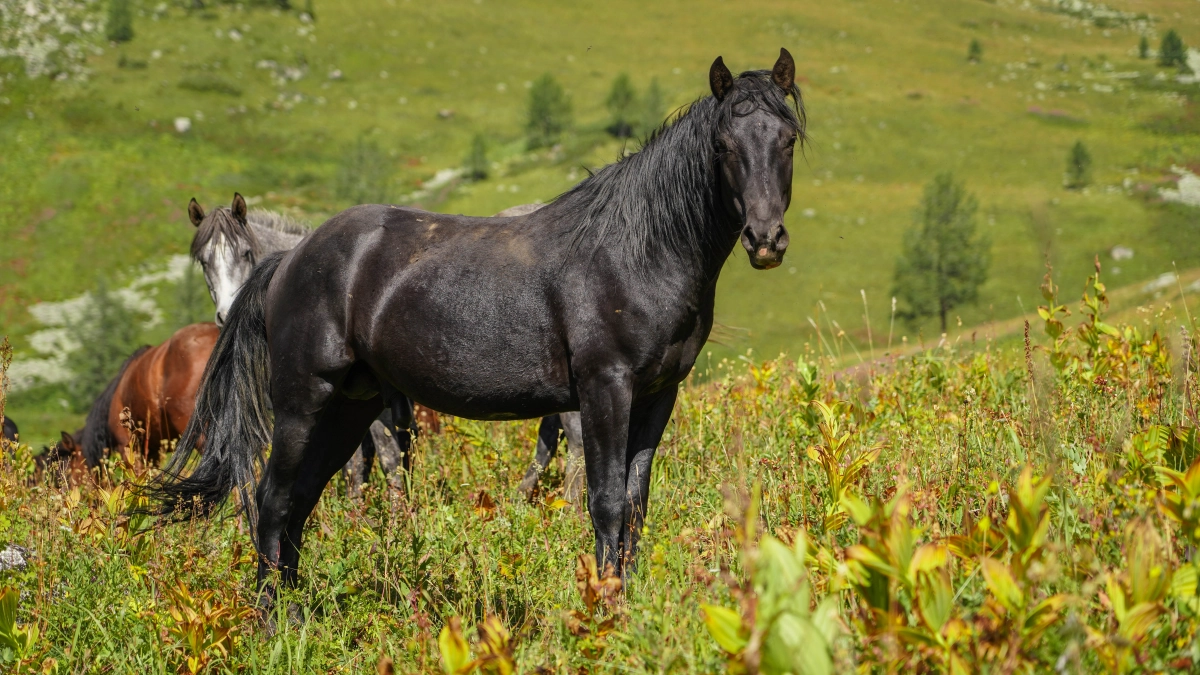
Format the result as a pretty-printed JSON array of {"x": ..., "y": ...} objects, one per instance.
[
  {"x": 935, "y": 597},
  {"x": 8, "y": 616},
  {"x": 793, "y": 645},
  {"x": 456, "y": 654},
  {"x": 1138, "y": 621},
  {"x": 725, "y": 626},
  {"x": 1183, "y": 582},
  {"x": 858, "y": 509},
  {"x": 1001, "y": 583},
  {"x": 869, "y": 559}
]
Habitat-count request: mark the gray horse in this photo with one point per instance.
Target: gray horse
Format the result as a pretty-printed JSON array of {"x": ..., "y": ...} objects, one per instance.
[{"x": 230, "y": 241}]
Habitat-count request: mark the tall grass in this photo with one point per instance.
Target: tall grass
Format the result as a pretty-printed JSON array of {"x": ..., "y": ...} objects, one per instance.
[{"x": 955, "y": 452}]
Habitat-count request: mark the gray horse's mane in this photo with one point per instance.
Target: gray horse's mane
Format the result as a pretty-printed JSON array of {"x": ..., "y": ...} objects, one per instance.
[
  {"x": 265, "y": 231},
  {"x": 279, "y": 222}
]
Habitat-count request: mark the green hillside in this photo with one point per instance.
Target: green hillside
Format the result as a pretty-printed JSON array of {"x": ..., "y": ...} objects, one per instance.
[{"x": 94, "y": 176}]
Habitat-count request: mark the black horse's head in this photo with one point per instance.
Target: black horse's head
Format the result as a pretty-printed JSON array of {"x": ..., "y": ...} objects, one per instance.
[{"x": 756, "y": 135}]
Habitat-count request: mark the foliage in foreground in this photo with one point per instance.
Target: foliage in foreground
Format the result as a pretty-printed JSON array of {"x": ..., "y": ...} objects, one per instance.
[{"x": 961, "y": 510}]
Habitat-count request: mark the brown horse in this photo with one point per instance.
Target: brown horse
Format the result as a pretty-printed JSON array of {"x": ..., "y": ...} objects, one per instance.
[
  {"x": 63, "y": 462},
  {"x": 158, "y": 385}
]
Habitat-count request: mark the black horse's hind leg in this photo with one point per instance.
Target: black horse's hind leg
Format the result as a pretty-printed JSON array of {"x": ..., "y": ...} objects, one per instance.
[
  {"x": 573, "y": 480},
  {"x": 549, "y": 431},
  {"x": 307, "y": 450}
]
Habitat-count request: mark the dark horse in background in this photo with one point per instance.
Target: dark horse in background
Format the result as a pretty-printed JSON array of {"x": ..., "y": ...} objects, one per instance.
[{"x": 598, "y": 302}]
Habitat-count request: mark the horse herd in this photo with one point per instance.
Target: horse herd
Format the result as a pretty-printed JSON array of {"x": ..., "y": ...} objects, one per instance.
[{"x": 333, "y": 346}]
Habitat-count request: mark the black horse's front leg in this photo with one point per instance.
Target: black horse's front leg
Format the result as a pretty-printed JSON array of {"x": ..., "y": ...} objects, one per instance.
[
  {"x": 646, "y": 425},
  {"x": 605, "y": 403}
]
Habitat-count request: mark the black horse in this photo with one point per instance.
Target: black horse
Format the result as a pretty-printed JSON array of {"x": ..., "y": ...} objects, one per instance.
[
  {"x": 598, "y": 302},
  {"x": 10, "y": 431}
]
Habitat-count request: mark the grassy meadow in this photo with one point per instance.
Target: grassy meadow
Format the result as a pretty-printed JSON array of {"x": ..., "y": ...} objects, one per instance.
[
  {"x": 95, "y": 177},
  {"x": 1010, "y": 498},
  {"x": 975, "y": 508}
]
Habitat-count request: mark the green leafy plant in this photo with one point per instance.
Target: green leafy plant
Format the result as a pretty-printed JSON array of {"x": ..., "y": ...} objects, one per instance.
[{"x": 776, "y": 630}]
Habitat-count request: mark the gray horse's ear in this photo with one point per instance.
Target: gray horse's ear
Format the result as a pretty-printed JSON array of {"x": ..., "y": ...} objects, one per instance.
[
  {"x": 239, "y": 207},
  {"x": 720, "y": 79},
  {"x": 784, "y": 72},
  {"x": 195, "y": 212}
]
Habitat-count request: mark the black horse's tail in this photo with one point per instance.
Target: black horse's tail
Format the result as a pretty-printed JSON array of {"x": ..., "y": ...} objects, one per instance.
[
  {"x": 232, "y": 416},
  {"x": 98, "y": 437}
]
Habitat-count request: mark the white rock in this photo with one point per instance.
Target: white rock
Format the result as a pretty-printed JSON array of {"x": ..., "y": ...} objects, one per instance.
[{"x": 183, "y": 124}]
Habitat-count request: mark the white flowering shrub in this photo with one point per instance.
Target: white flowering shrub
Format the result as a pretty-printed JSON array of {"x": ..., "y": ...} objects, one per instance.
[{"x": 51, "y": 37}]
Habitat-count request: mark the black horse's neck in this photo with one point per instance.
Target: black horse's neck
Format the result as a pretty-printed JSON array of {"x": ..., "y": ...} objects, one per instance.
[{"x": 661, "y": 205}]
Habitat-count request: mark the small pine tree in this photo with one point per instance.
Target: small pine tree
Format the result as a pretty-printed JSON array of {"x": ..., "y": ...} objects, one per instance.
[
  {"x": 476, "y": 164},
  {"x": 620, "y": 102},
  {"x": 1143, "y": 48},
  {"x": 107, "y": 332},
  {"x": 975, "y": 51},
  {"x": 652, "y": 109},
  {"x": 308, "y": 9},
  {"x": 1172, "y": 52},
  {"x": 549, "y": 112},
  {"x": 120, "y": 21},
  {"x": 1079, "y": 167},
  {"x": 942, "y": 263},
  {"x": 363, "y": 177}
]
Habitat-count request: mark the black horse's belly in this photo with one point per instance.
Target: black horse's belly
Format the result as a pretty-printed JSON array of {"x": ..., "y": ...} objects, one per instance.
[{"x": 470, "y": 339}]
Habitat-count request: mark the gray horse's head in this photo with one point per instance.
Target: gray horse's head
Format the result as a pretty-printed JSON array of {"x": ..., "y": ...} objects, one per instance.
[{"x": 226, "y": 248}]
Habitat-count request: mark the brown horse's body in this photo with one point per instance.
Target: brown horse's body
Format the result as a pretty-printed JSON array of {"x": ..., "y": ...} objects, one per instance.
[
  {"x": 159, "y": 388},
  {"x": 158, "y": 385}
]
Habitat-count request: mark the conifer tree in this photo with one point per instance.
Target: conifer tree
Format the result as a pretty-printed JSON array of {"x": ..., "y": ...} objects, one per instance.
[
  {"x": 1172, "y": 52},
  {"x": 620, "y": 102},
  {"x": 120, "y": 21},
  {"x": 943, "y": 263},
  {"x": 476, "y": 164},
  {"x": 1079, "y": 167},
  {"x": 975, "y": 51},
  {"x": 549, "y": 112}
]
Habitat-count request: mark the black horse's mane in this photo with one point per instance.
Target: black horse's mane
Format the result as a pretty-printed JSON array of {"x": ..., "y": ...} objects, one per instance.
[
  {"x": 661, "y": 198},
  {"x": 221, "y": 221}
]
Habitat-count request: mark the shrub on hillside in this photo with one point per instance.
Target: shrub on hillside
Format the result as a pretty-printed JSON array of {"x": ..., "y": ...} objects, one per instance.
[
  {"x": 1143, "y": 48},
  {"x": 942, "y": 263},
  {"x": 364, "y": 174},
  {"x": 1172, "y": 52},
  {"x": 620, "y": 103},
  {"x": 1079, "y": 167},
  {"x": 208, "y": 82},
  {"x": 549, "y": 112},
  {"x": 120, "y": 21},
  {"x": 475, "y": 167},
  {"x": 975, "y": 51},
  {"x": 651, "y": 109}
]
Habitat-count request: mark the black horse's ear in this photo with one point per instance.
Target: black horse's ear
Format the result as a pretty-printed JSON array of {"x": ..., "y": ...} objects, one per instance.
[
  {"x": 720, "y": 79},
  {"x": 239, "y": 207},
  {"x": 784, "y": 72},
  {"x": 195, "y": 213},
  {"x": 68, "y": 441}
]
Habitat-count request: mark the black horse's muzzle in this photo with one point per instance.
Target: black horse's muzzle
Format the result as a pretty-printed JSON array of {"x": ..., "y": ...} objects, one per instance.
[{"x": 765, "y": 246}]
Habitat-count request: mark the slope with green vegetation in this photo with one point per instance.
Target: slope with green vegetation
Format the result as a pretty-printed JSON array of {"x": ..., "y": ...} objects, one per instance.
[
  {"x": 385, "y": 97},
  {"x": 971, "y": 509}
]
